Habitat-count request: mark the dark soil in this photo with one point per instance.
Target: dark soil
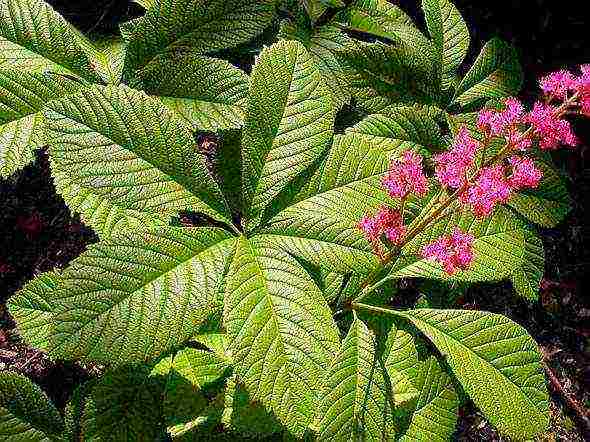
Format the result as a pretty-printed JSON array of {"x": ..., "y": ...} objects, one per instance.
[{"x": 37, "y": 232}]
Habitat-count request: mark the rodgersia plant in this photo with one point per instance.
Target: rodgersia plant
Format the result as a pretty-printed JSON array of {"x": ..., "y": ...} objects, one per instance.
[{"x": 278, "y": 315}]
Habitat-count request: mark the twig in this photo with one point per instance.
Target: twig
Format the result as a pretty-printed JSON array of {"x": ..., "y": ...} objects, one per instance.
[{"x": 582, "y": 415}]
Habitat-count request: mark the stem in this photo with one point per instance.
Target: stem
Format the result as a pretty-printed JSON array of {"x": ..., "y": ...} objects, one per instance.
[{"x": 372, "y": 308}]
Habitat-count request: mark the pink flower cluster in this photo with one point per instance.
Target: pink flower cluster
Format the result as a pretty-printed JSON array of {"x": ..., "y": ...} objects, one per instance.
[
  {"x": 406, "y": 176},
  {"x": 524, "y": 173},
  {"x": 561, "y": 84},
  {"x": 386, "y": 221},
  {"x": 452, "y": 166},
  {"x": 551, "y": 130},
  {"x": 453, "y": 252}
]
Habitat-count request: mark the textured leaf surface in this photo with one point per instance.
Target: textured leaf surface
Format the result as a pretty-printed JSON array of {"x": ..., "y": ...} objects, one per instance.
[
  {"x": 26, "y": 413},
  {"x": 122, "y": 159},
  {"x": 203, "y": 25},
  {"x": 123, "y": 405},
  {"x": 288, "y": 125},
  {"x": 32, "y": 309},
  {"x": 497, "y": 363},
  {"x": 110, "y": 54},
  {"x": 499, "y": 247},
  {"x": 547, "y": 205},
  {"x": 282, "y": 333},
  {"x": 357, "y": 402},
  {"x": 132, "y": 298},
  {"x": 496, "y": 73},
  {"x": 450, "y": 36},
  {"x": 42, "y": 37},
  {"x": 430, "y": 412},
  {"x": 22, "y": 96},
  {"x": 527, "y": 278},
  {"x": 209, "y": 93},
  {"x": 315, "y": 227}
]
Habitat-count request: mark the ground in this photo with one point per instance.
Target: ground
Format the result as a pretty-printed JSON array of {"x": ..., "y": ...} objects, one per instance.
[{"x": 37, "y": 232}]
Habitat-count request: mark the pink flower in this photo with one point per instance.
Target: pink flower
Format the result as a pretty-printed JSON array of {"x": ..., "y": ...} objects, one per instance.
[
  {"x": 583, "y": 89},
  {"x": 406, "y": 176},
  {"x": 524, "y": 173},
  {"x": 518, "y": 140},
  {"x": 549, "y": 129},
  {"x": 496, "y": 123},
  {"x": 558, "y": 84},
  {"x": 453, "y": 252},
  {"x": 386, "y": 221},
  {"x": 452, "y": 166},
  {"x": 490, "y": 188}
]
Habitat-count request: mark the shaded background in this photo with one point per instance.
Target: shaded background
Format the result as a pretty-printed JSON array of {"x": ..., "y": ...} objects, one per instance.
[{"x": 37, "y": 232}]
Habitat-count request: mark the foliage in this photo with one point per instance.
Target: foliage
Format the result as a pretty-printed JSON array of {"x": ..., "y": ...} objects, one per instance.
[{"x": 274, "y": 317}]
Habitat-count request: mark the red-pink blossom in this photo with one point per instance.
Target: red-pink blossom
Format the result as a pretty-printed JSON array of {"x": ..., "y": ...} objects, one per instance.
[
  {"x": 386, "y": 221},
  {"x": 497, "y": 123},
  {"x": 490, "y": 188},
  {"x": 524, "y": 173},
  {"x": 551, "y": 130},
  {"x": 558, "y": 84},
  {"x": 583, "y": 90},
  {"x": 406, "y": 176},
  {"x": 452, "y": 166},
  {"x": 453, "y": 252}
]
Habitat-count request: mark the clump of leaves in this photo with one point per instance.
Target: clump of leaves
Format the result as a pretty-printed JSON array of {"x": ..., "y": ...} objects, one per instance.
[{"x": 276, "y": 317}]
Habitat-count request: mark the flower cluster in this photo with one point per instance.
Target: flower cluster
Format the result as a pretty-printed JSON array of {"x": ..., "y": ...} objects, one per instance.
[
  {"x": 483, "y": 184},
  {"x": 453, "y": 252},
  {"x": 452, "y": 166},
  {"x": 406, "y": 176},
  {"x": 386, "y": 221}
]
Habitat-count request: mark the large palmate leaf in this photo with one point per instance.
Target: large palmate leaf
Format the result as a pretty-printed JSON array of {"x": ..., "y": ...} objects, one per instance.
[
  {"x": 497, "y": 363},
  {"x": 288, "y": 125},
  {"x": 281, "y": 330},
  {"x": 22, "y": 96},
  {"x": 357, "y": 401},
  {"x": 450, "y": 36},
  {"x": 204, "y": 26},
  {"x": 26, "y": 413},
  {"x": 432, "y": 403},
  {"x": 34, "y": 37},
  {"x": 316, "y": 228},
  {"x": 32, "y": 309},
  {"x": 496, "y": 73},
  {"x": 122, "y": 405},
  {"x": 122, "y": 159},
  {"x": 140, "y": 294},
  {"x": 209, "y": 93}
]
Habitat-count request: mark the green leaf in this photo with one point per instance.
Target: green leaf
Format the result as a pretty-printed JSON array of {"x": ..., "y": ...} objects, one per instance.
[
  {"x": 26, "y": 413},
  {"x": 133, "y": 297},
  {"x": 496, "y": 73},
  {"x": 356, "y": 403},
  {"x": 315, "y": 8},
  {"x": 409, "y": 126},
  {"x": 549, "y": 204},
  {"x": 32, "y": 309},
  {"x": 22, "y": 96},
  {"x": 123, "y": 405},
  {"x": 432, "y": 414},
  {"x": 526, "y": 279},
  {"x": 378, "y": 17},
  {"x": 209, "y": 93},
  {"x": 111, "y": 57},
  {"x": 204, "y": 26},
  {"x": 450, "y": 36},
  {"x": 145, "y": 4},
  {"x": 122, "y": 159},
  {"x": 282, "y": 333},
  {"x": 323, "y": 44},
  {"x": 499, "y": 247},
  {"x": 497, "y": 363},
  {"x": 289, "y": 123},
  {"x": 187, "y": 374},
  {"x": 245, "y": 418},
  {"x": 316, "y": 228},
  {"x": 42, "y": 39}
]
